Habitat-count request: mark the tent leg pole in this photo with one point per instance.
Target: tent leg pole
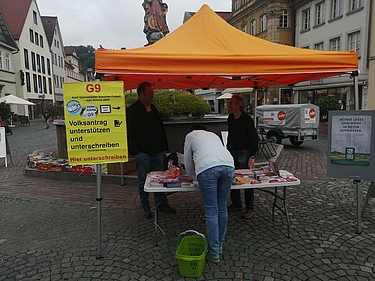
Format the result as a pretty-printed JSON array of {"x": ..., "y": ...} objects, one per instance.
[{"x": 99, "y": 208}]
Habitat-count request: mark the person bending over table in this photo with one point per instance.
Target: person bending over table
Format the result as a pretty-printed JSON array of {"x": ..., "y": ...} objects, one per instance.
[
  {"x": 147, "y": 141},
  {"x": 243, "y": 145},
  {"x": 208, "y": 161}
]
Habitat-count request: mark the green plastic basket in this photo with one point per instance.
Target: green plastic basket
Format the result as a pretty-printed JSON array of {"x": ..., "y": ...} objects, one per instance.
[{"x": 191, "y": 254}]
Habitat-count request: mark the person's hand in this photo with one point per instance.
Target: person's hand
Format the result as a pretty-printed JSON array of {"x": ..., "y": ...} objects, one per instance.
[{"x": 251, "y": 163}]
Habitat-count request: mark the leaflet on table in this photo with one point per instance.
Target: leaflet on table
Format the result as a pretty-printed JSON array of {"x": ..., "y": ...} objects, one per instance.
[
  {"x": 259, "y": 176},
  {"x": 160, "y": 179}
]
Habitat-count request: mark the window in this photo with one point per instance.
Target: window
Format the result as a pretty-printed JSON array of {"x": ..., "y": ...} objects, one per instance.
[
  {"x": 40, "y": 89},
  {"x": 61, "y": 81},
  {"x": 318, "y": 46},
  {"x": 36, "y": 38},
  {"x": 263, "y": 23},
  {"x": 243, "y": 28},
  {"x": 55, "y": 59},
  {"x": 7, "y": 62},
  {"x": 44, "y": 85},
  {"x": 38, "y": 63},
  {"x": 41, "y": 43},
  {"x": 1, "y": 59},
  {"x": 26, "y": 55},
  {"x": 253, "y": 27},
  {"x": 306, "y": 19},
  {"x": 235, "y": 4},
  {"x": 50, "y": 85},
  {"x": 355, "y": 4},
  {"x": 35, "y": 80},
  {"x": 38, "y": 68},
  {"x": 33, "y": 61},
  {"x": 320, "y": 11},
  {"x": 31, "y": 32},
  {"x": 284, "y": 19},
  {"x": 43, "y": 66},
  {"x": 35, "y": 18},
  {"x": 354, "y": 41},
  {"x": 48, "y": 67},
  {"x": 336, "y": 8},
  {"x": 28, "y": 82},
  {"x": 335, "y": 44}
]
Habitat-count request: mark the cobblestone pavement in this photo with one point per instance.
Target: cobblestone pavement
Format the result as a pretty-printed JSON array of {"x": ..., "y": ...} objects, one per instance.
[{"x": 48, "y": 228}]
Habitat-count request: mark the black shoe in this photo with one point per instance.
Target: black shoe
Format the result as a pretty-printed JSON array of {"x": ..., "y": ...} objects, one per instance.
[
  {"x": 146, "y": 212},
  {"x": 234, "y": 207},
  {"x": 167, "y": 209}
]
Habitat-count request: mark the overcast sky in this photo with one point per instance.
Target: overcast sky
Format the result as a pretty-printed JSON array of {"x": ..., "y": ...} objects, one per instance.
[{"x": 114, "y": 23}]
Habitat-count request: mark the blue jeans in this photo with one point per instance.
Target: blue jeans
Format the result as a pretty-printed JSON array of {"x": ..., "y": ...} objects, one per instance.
[
  {"x": 240, "y": 162},
  {"x": 47, "y": 123},
  {"x": 214, "y": 185},
  {"x": 146, "y": 163}
]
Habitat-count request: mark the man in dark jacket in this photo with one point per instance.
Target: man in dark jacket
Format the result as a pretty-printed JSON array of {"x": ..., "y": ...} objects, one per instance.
[
  {"x": 243, "y": 145},
  {"x": 147, "y": 141}
]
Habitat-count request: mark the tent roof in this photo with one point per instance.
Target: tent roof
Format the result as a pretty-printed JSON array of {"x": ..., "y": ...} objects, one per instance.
[{"x": 207, "y": 52}]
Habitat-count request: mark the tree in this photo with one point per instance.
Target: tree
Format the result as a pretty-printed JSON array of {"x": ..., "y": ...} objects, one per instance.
[
  {"x": 86, "y": 55},
  {"x": 326, "y": 103},
  {"x": 4, "y": 111}
]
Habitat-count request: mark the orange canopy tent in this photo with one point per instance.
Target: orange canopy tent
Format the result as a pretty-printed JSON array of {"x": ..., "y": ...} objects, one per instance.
[{"x": 207, "y": 52}]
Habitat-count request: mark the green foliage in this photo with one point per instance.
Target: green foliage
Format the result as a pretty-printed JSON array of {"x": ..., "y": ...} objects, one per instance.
[
  {"x": 86, "y": 55},
  {"x": 325, "y": 104},
  {"x": 175, "y": 103},
  {"x": 55, "y": 109},
  {"x": 5, "y": 111}
]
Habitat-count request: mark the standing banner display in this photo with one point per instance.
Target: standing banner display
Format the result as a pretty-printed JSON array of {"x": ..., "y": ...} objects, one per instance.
[
  {"x": 95, "y": 121},
  {"x": 3, "y": 146},
  {"x": 351, "y": 151}
]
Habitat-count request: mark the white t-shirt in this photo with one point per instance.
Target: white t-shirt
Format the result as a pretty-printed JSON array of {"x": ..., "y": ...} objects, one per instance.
[{"x": 207, "y": 151}]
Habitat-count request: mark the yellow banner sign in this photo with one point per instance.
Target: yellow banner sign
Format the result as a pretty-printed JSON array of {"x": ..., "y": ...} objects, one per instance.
[{"x": 95, "y": 122}]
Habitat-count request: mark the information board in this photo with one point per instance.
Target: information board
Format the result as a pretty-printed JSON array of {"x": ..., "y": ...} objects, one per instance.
[
  {"x": 350, "y": 150},
  {"x": 95, "y": 122}
]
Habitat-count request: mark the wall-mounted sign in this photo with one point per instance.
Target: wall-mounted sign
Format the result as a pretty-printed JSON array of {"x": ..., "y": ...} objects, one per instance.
[{"x": 95, "y": 122}]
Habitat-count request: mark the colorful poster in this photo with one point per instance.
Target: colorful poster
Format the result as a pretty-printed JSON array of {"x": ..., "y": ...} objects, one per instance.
[
  {"x": 95, "y": 122},
  {"x": 351, "y": 140}
]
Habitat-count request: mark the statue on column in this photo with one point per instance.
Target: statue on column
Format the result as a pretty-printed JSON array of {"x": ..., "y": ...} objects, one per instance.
[{"x": 155, "y": 20}]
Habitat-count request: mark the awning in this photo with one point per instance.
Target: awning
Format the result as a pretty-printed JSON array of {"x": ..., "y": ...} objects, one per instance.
[
  {"x": 238, "y": 90},
  {"x": 225, "y": 96}
]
